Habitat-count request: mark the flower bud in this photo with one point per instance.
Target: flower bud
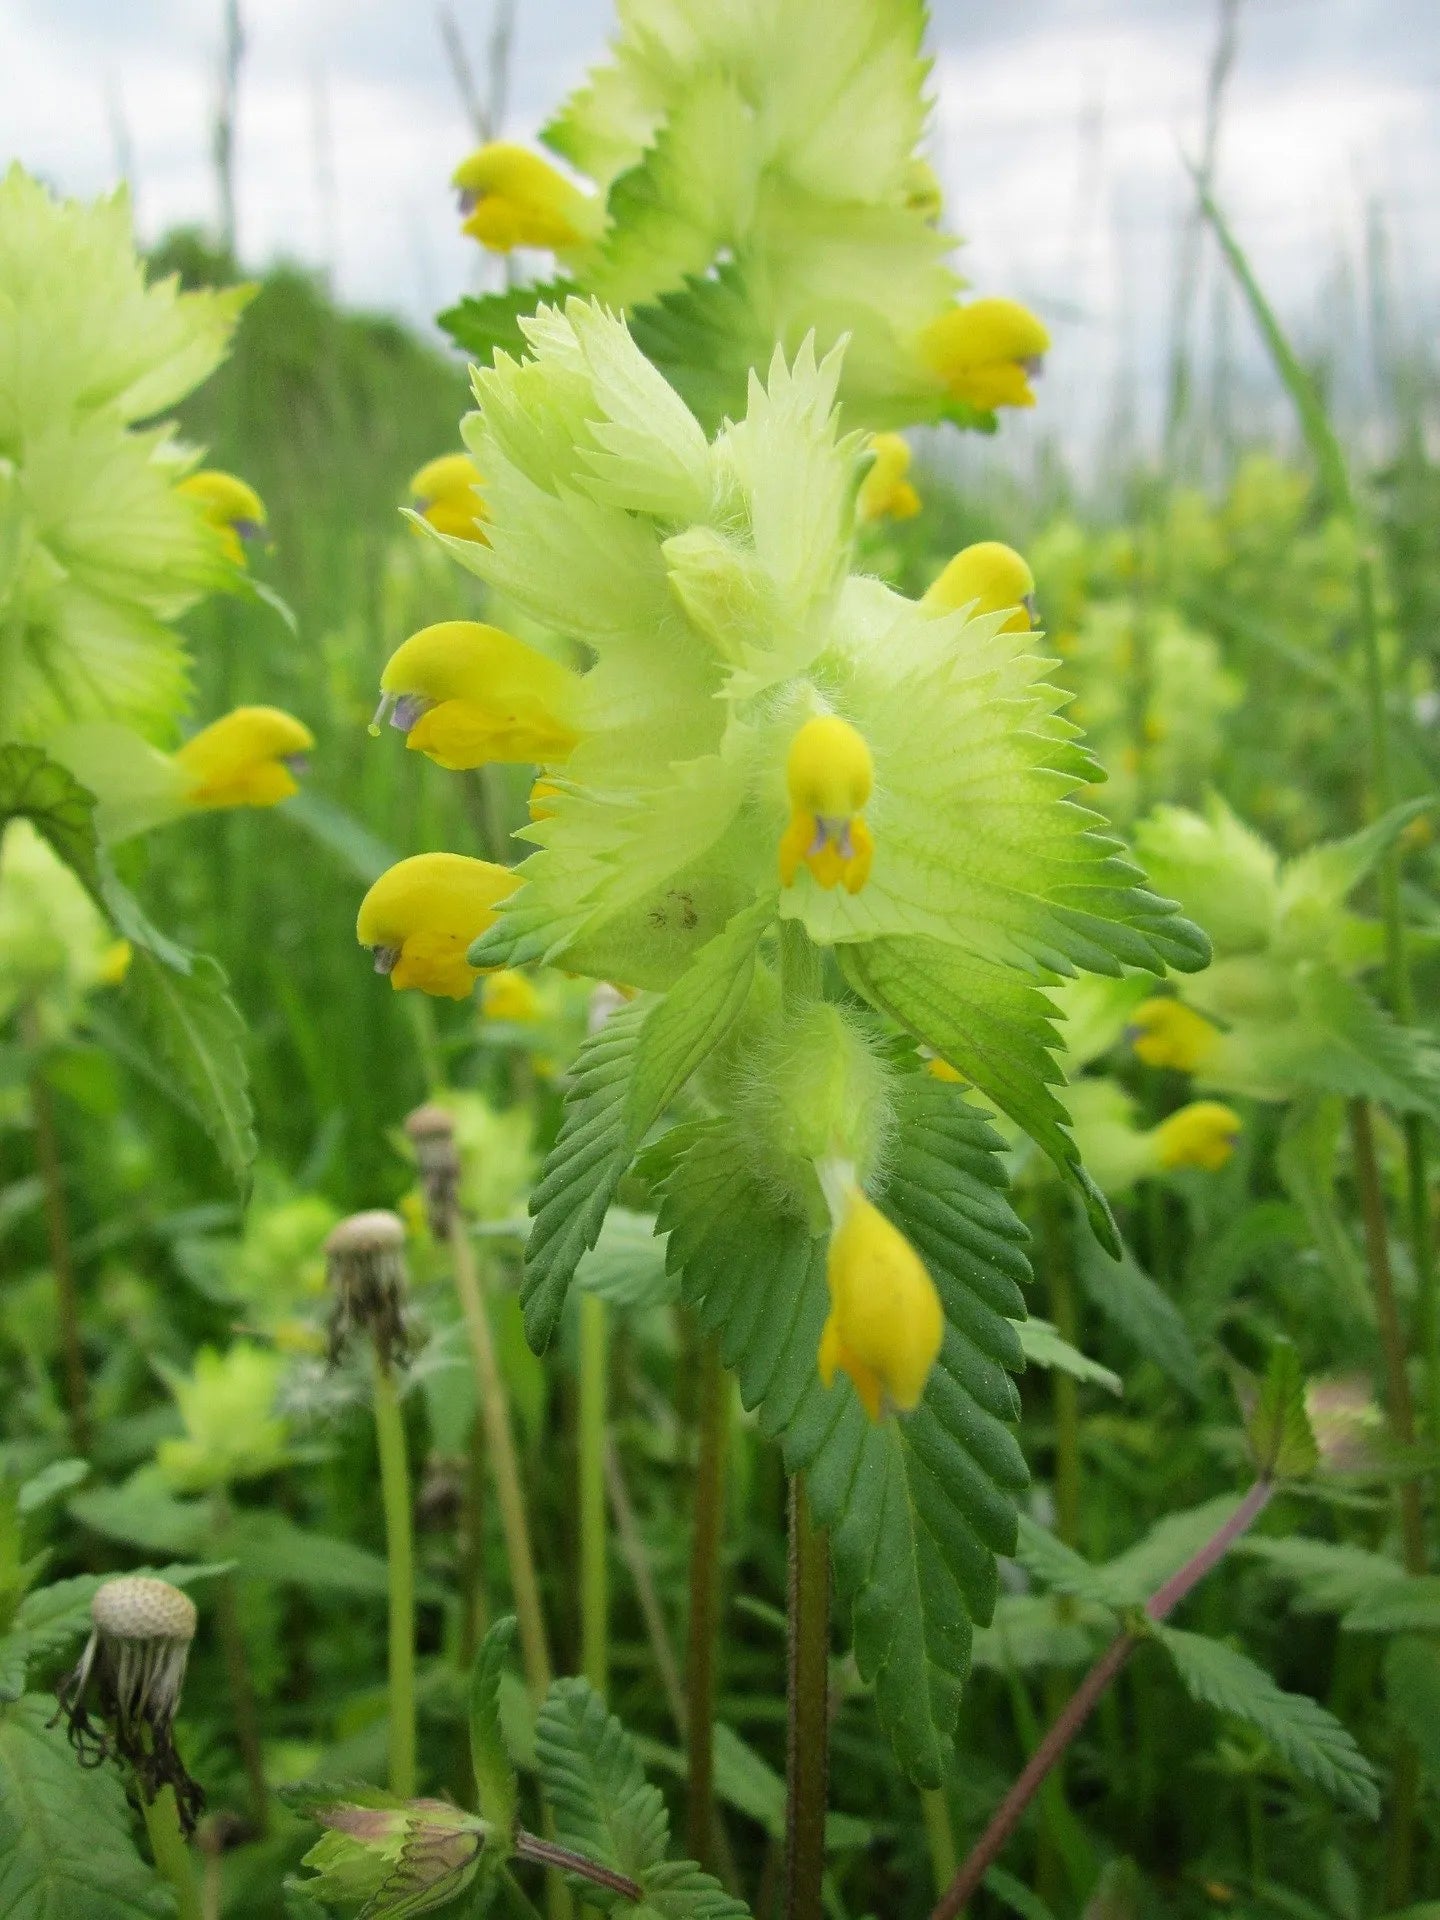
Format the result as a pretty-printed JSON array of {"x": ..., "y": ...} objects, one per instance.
[
  {"x": 886, "y": 1323},
  {"x": 431, "y": 1131},
  {"x": 1167, "y": 1033},
  {"x": 990, "y": 577},
  {"x": 446, "y": 492},
  {"x": 365, "y": 1265},
  {"x": 132, "y": 1672}
]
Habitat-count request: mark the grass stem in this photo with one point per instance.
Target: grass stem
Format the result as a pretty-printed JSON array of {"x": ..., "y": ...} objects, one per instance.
[
  {"x": 400, "y": 1564},
  {"x": 504, "y": 1464}
]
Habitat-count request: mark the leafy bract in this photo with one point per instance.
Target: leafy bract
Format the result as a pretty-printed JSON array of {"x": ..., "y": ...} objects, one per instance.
[
  {"x": 1307, "y": 1738},
  {"x": 917, "y": 1507},
  {"x": 604, "y": 1808}
]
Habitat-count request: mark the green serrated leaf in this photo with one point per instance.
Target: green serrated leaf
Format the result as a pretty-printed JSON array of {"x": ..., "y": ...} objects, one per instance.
[
  {"x": 192, "y": 1024},
  {"x": 1328, "y": 1576},
  {"x": 1279, "y": 1427},
  {"x": 627, "y": 1264},
  {"x": 1306, "y": 1737},
  {"x": 693, "y": 1018},
  {"x": 1043, "y": 1346},
  {"x": 65, "y": 1846},
  {"x": 1129, "y": 1579},
  {"x": 604, "y": 1808},
  {"x": 1408, "y": 1605},
  {"x": 36, "y": 788},
  {"x": 489, "y": 324},
  {"x": 47, "y": 1485},
  {"x": 1412, "y": 1693},
  {"x": 1138, "y": 1309},
  {"x": 495, "y": 1781},
  {"x": 917, "y": 1507},
  {"x": 581, "y": 1172},
  {"x": 994, "y": 1027}
]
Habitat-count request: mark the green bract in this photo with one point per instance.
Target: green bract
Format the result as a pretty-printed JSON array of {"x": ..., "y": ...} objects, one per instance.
[
  {"x": 98, "y": 553},
  {"x": 710, "y": 586},
  {"x": 759, "y": 175}
]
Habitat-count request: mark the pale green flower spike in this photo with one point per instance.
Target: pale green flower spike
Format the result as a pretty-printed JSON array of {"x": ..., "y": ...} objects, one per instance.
[
  {"x": 99, "y": 548},
  {"x": 753, "y": 177},
  {"x": 762, "y": 732}
]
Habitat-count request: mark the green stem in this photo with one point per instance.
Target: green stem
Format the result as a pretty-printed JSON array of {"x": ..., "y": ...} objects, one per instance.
[
  {"x": 500, "y": 1443},
  {"x": 808, "y": 1698},
  {"x": 173, "y": 1860},
  {"x": 1065, "y": 1397},
  {"x": 712, "y": 1411},
  {"x": 1392, "y": 1340},
  {"x": 939, "y": 1837},
  {"x": 632, "y": 1549},
  {"x": 243, "y": 1706},
  {"x": 594, "y": 1563},
  {"x": 400, "y": 1565},
  {"x": 57, "y": 1226}
]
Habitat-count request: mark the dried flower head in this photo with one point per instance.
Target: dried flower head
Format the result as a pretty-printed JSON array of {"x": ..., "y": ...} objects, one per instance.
[
  {"x": 365, "y": 1265},
  {"x": 131, "y": 1672},
  {"x": 431, "y": 1132}
]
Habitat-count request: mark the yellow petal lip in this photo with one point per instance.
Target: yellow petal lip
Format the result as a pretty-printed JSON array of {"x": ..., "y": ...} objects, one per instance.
[
  {"x": 885, "y": 492},
  {"x": 1203, "y": 1134},
  {"x": 447, "y": 492},
  {"x": 886, "y": 1323},
  {"x": 1167, "y": 1033},
  {"x": 830, "y": 774},
  {"x": 228, "y": 504},
  {"x": 247, "y": 758},
  {"x": 511, "y": 197},
  {"x": 986, "y": 352},
  {"x": 421, "y": 915},
  {"x": 509, "y": 995},
  {"x": 992, "y": 577},
  {"x": 465, "y": 694}
]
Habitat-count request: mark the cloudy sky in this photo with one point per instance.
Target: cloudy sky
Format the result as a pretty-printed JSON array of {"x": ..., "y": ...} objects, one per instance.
[{"x": 1059, "y": 134}]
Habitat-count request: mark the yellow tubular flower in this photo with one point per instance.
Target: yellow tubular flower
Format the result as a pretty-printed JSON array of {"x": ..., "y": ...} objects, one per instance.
[
  {"x": 991, "y": 575},
  {"x": 446, "y": 493},
  {"x": 986, "y": 353},
  {"x": 248, "y": 758},
  {"x": 830, "y": 774},
  {"x": 510, "y": 197},
  {"x": 508, "y": 995},
  {"x": 463, "y": 694},
  {"x": 1166, "y": 1033},
  {"x": 886, "y": 1323},
  {"x": 421, "y": 915},
  {"x": 230, "y": 506},
  {"x": 885, "y": 493},
  {"x": 1200, "y": 1135}
]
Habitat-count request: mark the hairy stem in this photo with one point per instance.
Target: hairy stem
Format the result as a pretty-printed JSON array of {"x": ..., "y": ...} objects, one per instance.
[
  {"x": 1162, "y": 1603},
  {"x": 173, "y": 1859},
  {"x": 57, "y": 1227},
  {"x": 808, "y": 1700},
  {"x": 712, "y": 1407},
  {"x": 594, "y": 1562},
  {"x": 400, "y": 1565},
  {"x": 500, "y": 1442},
  {"x": 1392, "y": 1339}
]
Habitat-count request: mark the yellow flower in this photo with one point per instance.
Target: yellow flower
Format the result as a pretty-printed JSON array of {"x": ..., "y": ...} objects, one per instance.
[
  {"x": 229, "y": 505},
  {"x": 829, "y": 774},
  {"x": 1200, "y": 1135},
  {"x": 886, "y": 1323},
  {"x": 510, "y": 197},
  {"x": 115, "y": 963},
  {"x": 992, "y": 576},
  {"x": 419, "y": 919},
  {"x": 939, "y": 1069},
  {"x": 248, "y": 758},
  {"x": 446, "y": 492},
  {"x": 1167, "y": 1033},
  {"x": 885, "y": 493},
  {"x": 986, "y": 353},
  {"x": 508, "y": 995},
  {"x": 463, "y": 694}
]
